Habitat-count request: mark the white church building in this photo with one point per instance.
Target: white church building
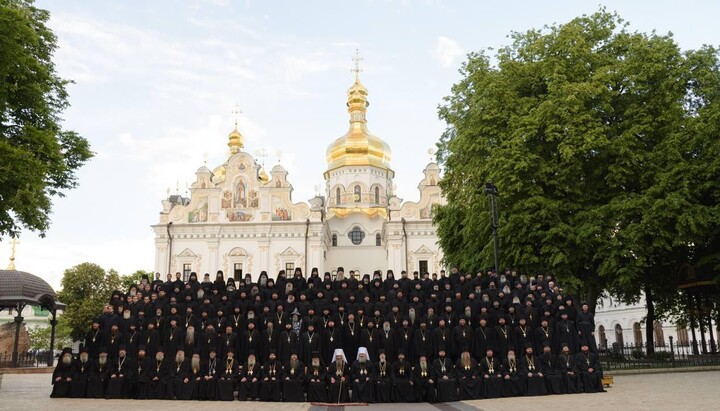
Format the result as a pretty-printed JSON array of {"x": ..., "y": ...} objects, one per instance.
[{"x": 241, "y": 220}]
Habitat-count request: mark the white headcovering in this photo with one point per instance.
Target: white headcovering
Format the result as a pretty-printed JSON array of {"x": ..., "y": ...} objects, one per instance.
[
  {"x": 339, "y": 351},
  {"x": 363, "y": 350}
]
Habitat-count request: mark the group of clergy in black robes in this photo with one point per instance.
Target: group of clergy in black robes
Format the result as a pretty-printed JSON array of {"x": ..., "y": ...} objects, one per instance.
[{"x": 416, "y": 339}]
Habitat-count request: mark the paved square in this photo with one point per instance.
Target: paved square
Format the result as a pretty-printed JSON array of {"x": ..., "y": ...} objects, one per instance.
[{"x": 652, "y": 392}]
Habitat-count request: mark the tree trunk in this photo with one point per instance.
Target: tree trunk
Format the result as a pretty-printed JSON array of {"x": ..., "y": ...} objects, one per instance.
[
  {"x": 650, "y": 320},
  {"x": 591, "y": 296}
]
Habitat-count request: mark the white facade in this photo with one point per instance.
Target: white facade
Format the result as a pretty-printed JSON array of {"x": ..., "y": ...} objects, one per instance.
[{"x": 240, "y": 221}]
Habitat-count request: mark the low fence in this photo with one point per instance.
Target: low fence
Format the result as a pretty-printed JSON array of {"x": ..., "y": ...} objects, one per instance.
[
  {"x": 663, "y": 355},
  {"x": 26, "y": 359}
]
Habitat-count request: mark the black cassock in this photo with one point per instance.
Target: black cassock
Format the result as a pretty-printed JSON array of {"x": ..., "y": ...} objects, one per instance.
[
  {"x": 159, "y": 373},
  {"x": 208, "y": 383},
  {"x": 293, "y": 382},
  {"x": 553, "y": 377},
  {"x": 316, "y": 384},
  {"x": 492, "y": 377},
  {"x": 227, "y": 379},
  {"x": 332, "y": 340},
  {"x": 543, "y": 336},
  {"x": 503, "y": 340},
  {"x": 362, "y": 376},
  {"x": 513, "y": 381},
  {"x": 406, "y": 342},
  {"x": 468, "y": 381},
  {"x": 178, "y": 371},
  {"x": 189, "y": 390},
  {"x": 94, "y": 340},
  {"x": 81, "y": 375},
  {"x": 118, "y": 385},
  {"x": 523, "y": 337},
  {"x": 567, "y": 366},
  {"x": 142, "y": 377},
  {"x": 339, "y": 374},
  {"x": 566, "y": 333},
  {"x": 251, "y": 342},
  {"x": 61, "y": 387},
  {"x": 590, "y": 372},
  {"x": 531, "y": 368},
  {"x": 97, "y": 380},
  {"x": 444, "y": 371},
  {"x": 425, "y": 390},
  {"x": 388, "y": 342},
  {"x": 383, "y": 387},
  {"x": 463, "y": 341},
  {"x": 310, "y": 342},
  {"x": 586, "y": 329},
  {"x": 484, "y": 339},
  {"x": 272, "y": 373},
  {"x": 351, "y": 337},
  {"x": 403, "y": 382},
  {"x": 370, "y": 339},
  {"x": 248, "y": 386},
  {"x": 289, "y": 344},
  {"x": 422, "y": 344}
]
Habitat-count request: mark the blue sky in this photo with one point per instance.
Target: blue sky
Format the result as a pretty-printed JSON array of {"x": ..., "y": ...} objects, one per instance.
[{"x": 156, "y": 82}]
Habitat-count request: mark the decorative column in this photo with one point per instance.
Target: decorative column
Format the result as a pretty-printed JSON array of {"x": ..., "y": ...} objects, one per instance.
[
  {"x": 18, "y": 323},
  {"x": 53, "y": 324}
]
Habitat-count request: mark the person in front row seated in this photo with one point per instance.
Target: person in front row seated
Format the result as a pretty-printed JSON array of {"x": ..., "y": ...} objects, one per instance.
[
  {"x": 316, "y": 380},
  {"x": 248, "y": 386},
  {"x": 272, "y": 375},
  {"x": 444, "y": 372},
  {"x": 142, "y": 377},
  {"x": 178, "y": 371},
  {"x": 228, "y": 377},
  {"x": 590, "y": 371},
  {"x": 492, "y": 375},
  {"x": 513, "y": 383},
  {"x": 362, "y": 374},
  {"x": 339, "y": 374},
  {"x": 567, "y": 366},
  {"x": 81, "y": 374},
  {"x": 99, "y": 375},
  {"x": 62, "y": 376},
  {"x": 466, "y": 374},
  {"x": 424, "y": 380},
  {"x": 531, "y": 367},
  {"x": 188, "y": 387},
  {"x": 402, "y": 379},
  {"x": 294, "y": 379},
  {"x": 159, "y": 374},
  {"x": 120, "y": 375},
  {"x": 553, "y": 377},
  {"x": 383, "y": 392},
  {"x": 208, "y": 382}
]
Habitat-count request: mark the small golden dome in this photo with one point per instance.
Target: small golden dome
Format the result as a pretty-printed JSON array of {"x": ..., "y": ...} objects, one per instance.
[
  {"x": 235, "y": 141},
  {"x": 218, "y": 174},
  {"x": 263, "y": 175},
  {"x": 358, "y": 147}
]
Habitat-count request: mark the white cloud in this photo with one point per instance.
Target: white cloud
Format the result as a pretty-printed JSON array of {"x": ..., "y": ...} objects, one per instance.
[{"x": 446, "y": 51}]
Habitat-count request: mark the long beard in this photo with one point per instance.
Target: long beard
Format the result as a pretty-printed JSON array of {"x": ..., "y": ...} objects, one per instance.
[
  {"x": 190, "y": 337},
  {"x": 195, "y": 362},
  {"x": 423, "y": 366},
  {"x": 179, "y": 359},
  {"x": 67, "y": 360},
  {"x": 316, "y": 364},
  {"x": 293, "y": 363},
  {"x": 102, "y": 360},
  {"x": 466, "y": 361},
  {"x": 251, "y": 363}
]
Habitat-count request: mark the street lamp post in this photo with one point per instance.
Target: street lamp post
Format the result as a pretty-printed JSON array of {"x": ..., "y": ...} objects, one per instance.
[{"x": 492, "y": 193}]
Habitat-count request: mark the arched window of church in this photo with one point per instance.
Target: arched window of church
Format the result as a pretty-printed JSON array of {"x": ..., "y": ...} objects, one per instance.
[
  {"x": 334, "y": 238},
  {"x": 337, "y": 196},
  {"x": 659, "y": 334},
  {"x": 637, "y": 332},
  {"x": 357, "y": 194},
  {"x": 378, "y": 240},
  {"x": 377, "y": 195},
  {"x": 619, "y": 339},
  {"x": 603, "y": 338},
  {"x": 356, "y": 235}
]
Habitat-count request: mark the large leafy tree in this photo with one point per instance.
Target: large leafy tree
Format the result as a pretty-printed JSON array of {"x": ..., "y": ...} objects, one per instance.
[
  {"x": 38, "y": 157},
  {"x": 585, "y": 128}
]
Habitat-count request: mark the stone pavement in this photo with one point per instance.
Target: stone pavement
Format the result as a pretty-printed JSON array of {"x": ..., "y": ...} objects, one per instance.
[{"x": 655, "y": 392}]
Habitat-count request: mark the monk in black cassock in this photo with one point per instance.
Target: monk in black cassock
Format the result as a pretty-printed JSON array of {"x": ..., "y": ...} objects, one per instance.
[
  {"x": 422, "y": 340},
  {"x": 251, "y": 341},
  {"x": 442, "y": 337},
  {"x": 332, "y": 341},
  {"x": 492, "y": 375},
  {"x": 81, "y": 375},
  {"x": 523, "y": 335},
  {"x": 272, "y": 376},
  {"x": 178, "y": 372},
  {"x": 425, "y": 380},
  {"x": 503, "y": 338},
  {"x": 466, "y": 374},
  {"x": 351, "y": 334},
  {"x": 248, "y": 386},
  {"x": 120, "y": 375},
  {"x": 532, "y": 369},
  {"x": 339, "y": 374},
  {"x": 554, "y": 379},
  {"x": 383, "y": 372},
  {"x": 159, "y": 374},
  {"x": 484, "y": 336},
  {"x": 544, "y": 334},
  {"x": 586, "y": 328},
  {"x": 173, "y": 339},
  {"x": 590, "y": 371},
  {"x": 566, "y": 333},
  {"x": 310, "y": 343},
  {"x": 388, "y": 341},
  {"x": 362, "y": 374},
  {"x": 567, "y": 366},
  {"x": 151, "y": 338},
  {"x": 94, "y": 340},
  {"x": 228, "y": 377},
  {"x": 208, "y": 383},
  {"x": 188, "y": 387},
  {"x": 402, "y": 379},
  {"x": 405, "y": 338},
  {"x": 99, "y": 374},
  {"x": 294, "y": 372},
  {"x": 462, "y": 336},
  {"x": 316, "y": 377},
  {"x": 142, "y": 376},
  {"x": 370, "y": 339},
  {"x": 513, "y": 381},
  {"x": 289, "y": 343},
  {"x": 63, "y": 374},
  {"x": 444, "y": 371}
]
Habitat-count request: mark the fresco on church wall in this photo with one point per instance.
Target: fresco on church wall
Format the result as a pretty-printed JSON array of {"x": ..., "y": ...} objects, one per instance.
[
  {"x": 279, "y": 211},
  {"x": 240, "y": 197},
  {"x": 226, "y": 201},
  {"x": 234, "y": 216},
  {"x": 200, "y": 213}
]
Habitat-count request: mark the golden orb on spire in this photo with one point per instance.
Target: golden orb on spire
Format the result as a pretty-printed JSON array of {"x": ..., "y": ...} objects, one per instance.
[
  {"x": 235, "y": 141},
  {"x": 358, "y": 147}
]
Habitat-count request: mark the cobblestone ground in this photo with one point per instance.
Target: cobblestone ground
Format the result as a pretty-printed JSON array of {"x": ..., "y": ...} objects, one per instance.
[{"x": 654, "y": 392}]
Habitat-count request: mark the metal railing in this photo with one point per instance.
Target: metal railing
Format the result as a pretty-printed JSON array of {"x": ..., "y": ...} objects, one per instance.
[
  {"x": 26, "y": 359},
  {"x": 665, "y": 354}
]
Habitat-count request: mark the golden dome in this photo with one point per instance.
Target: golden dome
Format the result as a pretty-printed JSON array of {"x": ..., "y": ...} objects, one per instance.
[
  {"x": 263, "y": 175},
  {"x": 235, "y": 141},
  {"x": 358, "y": 147},
  {"x": 218, "y": 174}
]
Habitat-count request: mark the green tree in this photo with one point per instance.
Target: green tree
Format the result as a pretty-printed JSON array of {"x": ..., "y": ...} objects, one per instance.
[
  {"x": 38, "y": 157},
  {"x": 581, "y": 126},
  {"x": 85, "y": 288},
  {"x": 40, "y": 337},
  {"x": 134, "y": 278}
]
